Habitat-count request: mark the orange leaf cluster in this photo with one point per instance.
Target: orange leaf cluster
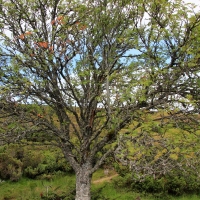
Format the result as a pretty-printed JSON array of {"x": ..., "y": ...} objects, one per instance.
[
  {"x": 58, "y": 20},
  {"x": 22, "y": 36},
  {"x": 53, "y": 22},
  {"x": 43, "y": 44},
  {"x": 32, "y": 54},
  {"x": 28, "y": 33},
  {"x": 81, "y": 26},
  {"x": 51, "y": 48},
  {"x": 69, "y": 41},
  {"x": 39, "y": 115}
]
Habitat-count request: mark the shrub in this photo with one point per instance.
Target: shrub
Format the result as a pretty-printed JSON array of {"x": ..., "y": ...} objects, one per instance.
[
  {"x": 44, "y": 163},
  {"x": 176, "y": 182},
  {"x": 31, "y": 158},
  {"x": 180, "y": 182},
  {"x": 10, "y": 168},
  {"x": 31, "y": 161}
]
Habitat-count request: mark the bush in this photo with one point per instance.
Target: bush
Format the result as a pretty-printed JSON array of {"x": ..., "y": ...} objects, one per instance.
[
  {"x": 174, "y": 183},
  {"x": 180, "y": 182},
  {"x": 124, "y": 182},
  {"x": 10, "y": 168},
  {"x": 31, "y": 162},
  {"x": 44, "y": 163}
]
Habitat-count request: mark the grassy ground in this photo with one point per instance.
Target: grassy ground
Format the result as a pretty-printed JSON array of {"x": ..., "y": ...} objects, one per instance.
[{"x": 27, "y": 189}]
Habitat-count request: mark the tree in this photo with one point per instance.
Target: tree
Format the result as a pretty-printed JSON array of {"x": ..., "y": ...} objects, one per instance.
[{"x": 82, "y": 71}]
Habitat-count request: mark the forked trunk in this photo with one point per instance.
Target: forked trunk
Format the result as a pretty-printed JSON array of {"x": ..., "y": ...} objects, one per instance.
[{"x": 83, "y": 183}]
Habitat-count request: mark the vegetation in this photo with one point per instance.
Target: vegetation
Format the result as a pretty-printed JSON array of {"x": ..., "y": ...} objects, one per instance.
[
  {"x": 156, "y": 150},
  {"x": 61, "y": 186},
  {"x": 64, "y": 187},
  {"x": 43, "y": 170},
  {"x": 31, "y": 162},
  {"x": 80, "y": 72}
]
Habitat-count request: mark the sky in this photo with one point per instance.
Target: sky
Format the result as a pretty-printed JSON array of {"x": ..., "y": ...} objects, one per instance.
[
  {"x": 192, "y": 1},
  {"x": 197, "y": 2}
]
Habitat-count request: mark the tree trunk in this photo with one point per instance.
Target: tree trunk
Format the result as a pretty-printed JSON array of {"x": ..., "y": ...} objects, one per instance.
[{"x": 83, "y": 183}]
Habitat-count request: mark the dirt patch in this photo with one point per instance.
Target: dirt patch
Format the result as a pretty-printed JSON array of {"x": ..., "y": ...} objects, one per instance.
[{"x": 105, "y": 179}]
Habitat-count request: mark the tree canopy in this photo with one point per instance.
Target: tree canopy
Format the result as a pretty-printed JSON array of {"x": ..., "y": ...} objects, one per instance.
[{"x": 81, "y": 71}]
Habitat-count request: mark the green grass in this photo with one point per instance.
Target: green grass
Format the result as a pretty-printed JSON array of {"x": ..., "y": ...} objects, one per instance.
[
  {"x": 99, "y": 174},
  {"x": 27, "y": 189},
  {"x": 109, "y": 192}
]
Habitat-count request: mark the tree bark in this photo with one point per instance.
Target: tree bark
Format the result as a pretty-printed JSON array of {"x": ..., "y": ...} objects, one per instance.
[{"x": 83, "y": 182}]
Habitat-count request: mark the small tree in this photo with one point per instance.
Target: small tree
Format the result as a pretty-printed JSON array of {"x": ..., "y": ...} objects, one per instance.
[{"x": 82, "y": 71}]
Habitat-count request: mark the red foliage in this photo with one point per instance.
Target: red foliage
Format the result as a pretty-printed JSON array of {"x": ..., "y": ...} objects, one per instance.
[
  {"x": 28, "y": 33},
  {"x": 58, "y": 20},
  {"x": 53, "y": 22},
  {"x": 51, "y": 49},
  {"x": 83, "y": 27},
  {"x": 22, "y": 36},
  {"x": 43, "y": 44},
  {"x": 39, "y": 116}
]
